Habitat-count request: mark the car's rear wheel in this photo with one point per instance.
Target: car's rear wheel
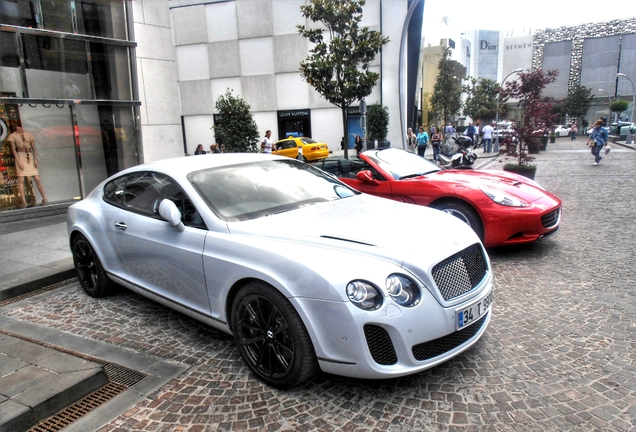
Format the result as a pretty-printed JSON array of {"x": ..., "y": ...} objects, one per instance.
[
  {"x": 465, "y": 213},
  {"x": 271, "y": 336},
  {"x": 90, "y": 273}
]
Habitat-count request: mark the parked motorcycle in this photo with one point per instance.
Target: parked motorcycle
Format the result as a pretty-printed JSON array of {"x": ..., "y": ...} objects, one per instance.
[{"x": 458, "y": 155}]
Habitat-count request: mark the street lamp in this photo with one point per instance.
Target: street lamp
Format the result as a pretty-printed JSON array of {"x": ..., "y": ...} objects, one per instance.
[
  {"x": 633, "y": 95},
  {"x": 609, "y": 106},
  {"x": 496, "y": 146}
]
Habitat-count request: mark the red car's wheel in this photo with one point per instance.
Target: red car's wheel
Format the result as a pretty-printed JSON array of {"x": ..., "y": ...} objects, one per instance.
[{"x": 465, "y": 213}]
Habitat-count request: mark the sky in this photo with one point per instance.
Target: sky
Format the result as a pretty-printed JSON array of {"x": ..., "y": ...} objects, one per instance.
[{"x": 515, "y": 15}]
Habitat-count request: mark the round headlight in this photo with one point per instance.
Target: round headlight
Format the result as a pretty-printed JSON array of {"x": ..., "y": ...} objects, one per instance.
[
  {"x": 364, "y": 295},
  {"x": 403, "y": 290}
]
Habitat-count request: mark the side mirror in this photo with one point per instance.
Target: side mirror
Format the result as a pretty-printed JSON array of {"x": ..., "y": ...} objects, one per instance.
[
  {"x": 169, "y": 211},
  {"x": 365, "y": 176}
]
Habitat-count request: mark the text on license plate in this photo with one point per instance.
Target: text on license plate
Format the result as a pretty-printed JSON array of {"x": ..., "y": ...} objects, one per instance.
[{"x": 472, "y": 313}]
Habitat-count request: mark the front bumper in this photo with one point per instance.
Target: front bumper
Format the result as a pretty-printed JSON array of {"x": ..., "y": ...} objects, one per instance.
[{"x": 392, "y": 341}]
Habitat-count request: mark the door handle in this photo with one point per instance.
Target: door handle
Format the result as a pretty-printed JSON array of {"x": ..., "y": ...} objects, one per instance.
[{"x": 121, "y": 225}]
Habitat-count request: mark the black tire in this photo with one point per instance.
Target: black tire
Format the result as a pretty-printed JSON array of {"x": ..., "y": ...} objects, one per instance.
[
  {"x": 90, "y": 273},
  {"x": 271, "y": 337},
  {"x": 465, "y": 213}
]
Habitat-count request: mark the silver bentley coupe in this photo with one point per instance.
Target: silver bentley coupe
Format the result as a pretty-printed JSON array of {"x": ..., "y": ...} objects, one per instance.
[{"x": 305, "y": 272}]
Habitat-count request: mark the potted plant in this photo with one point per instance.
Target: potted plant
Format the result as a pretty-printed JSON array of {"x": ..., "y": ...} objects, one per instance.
[
  {"x": 536, "y": 117},
  {"x": 378, "y": 125}
]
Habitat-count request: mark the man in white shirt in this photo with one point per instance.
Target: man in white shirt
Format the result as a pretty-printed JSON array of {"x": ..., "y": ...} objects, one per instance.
[{"x": 487, "y": 139}]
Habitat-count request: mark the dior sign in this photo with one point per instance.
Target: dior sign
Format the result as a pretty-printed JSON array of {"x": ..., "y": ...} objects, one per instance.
[{"x": 485, "y": 45}]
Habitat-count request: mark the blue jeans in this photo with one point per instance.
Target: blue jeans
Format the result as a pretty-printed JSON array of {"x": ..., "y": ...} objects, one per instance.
[
  {"x": 435, "y": 152},
  {"x": 421, "y": 150},
  {"x": 598, "y": 148},
  {"x": 487, "y": 145}
]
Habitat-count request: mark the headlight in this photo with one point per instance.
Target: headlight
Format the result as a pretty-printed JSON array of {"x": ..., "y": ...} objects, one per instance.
[
  {"x": 403, "y": 290},
  {"x": 502, "y": 198},
  {"x": 364, "y": 295}
]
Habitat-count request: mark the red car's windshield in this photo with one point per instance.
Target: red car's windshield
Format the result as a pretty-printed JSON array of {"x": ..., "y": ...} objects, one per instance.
[{"x": 401, "y": 164}]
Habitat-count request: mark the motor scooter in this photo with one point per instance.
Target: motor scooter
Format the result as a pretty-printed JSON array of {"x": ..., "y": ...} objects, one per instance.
[{"x": 458, "y": 155}]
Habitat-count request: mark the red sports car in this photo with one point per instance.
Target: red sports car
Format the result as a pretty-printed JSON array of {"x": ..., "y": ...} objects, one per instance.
[{"x": 501, "y": 207}]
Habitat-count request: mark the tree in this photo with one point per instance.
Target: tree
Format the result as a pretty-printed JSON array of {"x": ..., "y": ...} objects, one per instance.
[
  {"x": 377, "y": 122},
  {"x": 235, "y": 127},
  {"x": 447, "y": 93},
  {"x": 618, "y": 106},
  {"x": 537, "y": 115},
  {"x": 481, "y": 103},
  {"x": 578, "y": 102},
  {"x": 338, "y": 66}
]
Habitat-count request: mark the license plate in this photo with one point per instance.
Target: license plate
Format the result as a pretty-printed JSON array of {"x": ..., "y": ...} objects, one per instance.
[{"x": 468, "y": 315}]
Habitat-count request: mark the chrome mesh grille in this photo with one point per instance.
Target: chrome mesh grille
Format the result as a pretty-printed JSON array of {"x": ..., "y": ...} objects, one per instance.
[
  {"x": 461, "y": 272},
  {"x": 549, "y": 220}
]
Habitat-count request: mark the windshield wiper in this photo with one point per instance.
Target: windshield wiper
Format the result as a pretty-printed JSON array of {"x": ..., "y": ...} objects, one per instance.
[{"x": 412, "y": 175}]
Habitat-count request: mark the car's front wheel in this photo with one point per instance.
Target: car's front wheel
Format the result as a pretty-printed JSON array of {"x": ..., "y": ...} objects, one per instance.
[
  {"x": 465, "y": 213},
  {"x": 271, "y": 336},
  {"x": 90, "y": 273}
]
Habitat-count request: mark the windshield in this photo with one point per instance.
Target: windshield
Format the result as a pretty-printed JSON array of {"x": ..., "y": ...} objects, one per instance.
[
  {"x": 249, "y": 191},
  {"x": 401, "y": 164}
]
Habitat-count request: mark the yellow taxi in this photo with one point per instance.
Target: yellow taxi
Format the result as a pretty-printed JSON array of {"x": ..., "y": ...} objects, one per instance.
[{"x": 311, "y": 150}]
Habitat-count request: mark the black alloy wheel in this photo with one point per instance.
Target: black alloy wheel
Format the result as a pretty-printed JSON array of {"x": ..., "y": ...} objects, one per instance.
[
  {"x": 90, "y": 273},
  {"x": 271, "y": 337}
]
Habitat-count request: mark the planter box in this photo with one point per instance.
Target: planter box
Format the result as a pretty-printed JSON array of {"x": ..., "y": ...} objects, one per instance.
[{"x": 528, "y": 171}]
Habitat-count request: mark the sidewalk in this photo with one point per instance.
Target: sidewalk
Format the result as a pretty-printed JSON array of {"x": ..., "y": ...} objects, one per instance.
[{"x": 37, "y": 381}]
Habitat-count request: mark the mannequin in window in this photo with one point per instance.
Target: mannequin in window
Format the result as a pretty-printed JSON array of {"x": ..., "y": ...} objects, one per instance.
[{"x": 26, "y": 162}]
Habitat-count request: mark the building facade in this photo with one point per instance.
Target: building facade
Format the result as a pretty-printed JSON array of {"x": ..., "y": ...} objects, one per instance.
[
  {"x": 106, "y": 84},
  {"x": 252, "y": 47}
]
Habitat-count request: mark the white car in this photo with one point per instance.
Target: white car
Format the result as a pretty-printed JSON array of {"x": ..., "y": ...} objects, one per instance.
[
  {"x": 246, "y": 243},
  {"x": 561, "y": 130}
]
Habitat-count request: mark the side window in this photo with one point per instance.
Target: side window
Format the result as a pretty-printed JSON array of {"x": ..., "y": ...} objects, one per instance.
[
  {"x": 114, "y": 191},
  {"x": 144, "y": 191}
]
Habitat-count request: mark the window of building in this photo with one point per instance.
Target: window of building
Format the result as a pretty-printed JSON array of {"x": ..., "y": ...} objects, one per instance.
[{"x": 104, "y": 18}]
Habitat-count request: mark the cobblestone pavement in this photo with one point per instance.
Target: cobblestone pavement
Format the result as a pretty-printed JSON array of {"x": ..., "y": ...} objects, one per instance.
[{"x": 559, "y": 353}]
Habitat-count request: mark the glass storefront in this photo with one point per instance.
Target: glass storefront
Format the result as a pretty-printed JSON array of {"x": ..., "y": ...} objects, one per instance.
[
  {"x": 67, "y": 91},
  {"x": 294, "y": 123}
]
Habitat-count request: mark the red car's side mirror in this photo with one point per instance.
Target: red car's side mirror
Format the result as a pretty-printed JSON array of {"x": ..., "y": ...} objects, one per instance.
[{"x": 365, "y": 176}]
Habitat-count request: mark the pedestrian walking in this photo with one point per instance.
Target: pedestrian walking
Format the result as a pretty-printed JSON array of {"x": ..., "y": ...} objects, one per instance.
[
  {"x": 436, "y": 142},
  {"x": 422, "y": 141},
  {"x": 267, "y": 143},
  {"x": 597, "y": 141},
  {"x": 470, "y": 132},
  {"x": 487, "y": 138},
  {"x": 411, "y": 141},
  {"x": 358, "y": 145},
  {"x": 573, "y": 131},
  {"x": 199, "y": 150}
]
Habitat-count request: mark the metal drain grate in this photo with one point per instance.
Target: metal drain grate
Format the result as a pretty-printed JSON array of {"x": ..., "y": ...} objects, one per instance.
[
  {"x": 120, "y": 379},
  {"x": 37, "y": 292}
]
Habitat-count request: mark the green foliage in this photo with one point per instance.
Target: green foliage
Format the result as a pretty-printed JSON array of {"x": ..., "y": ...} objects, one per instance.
[
  {"x": 447, "y": 93},
  {"x": 236, "y": 129},
  {"x": 377, "y": 122},
  {"x": 338, "y": 63},
  {"x": 481, "y": 103},
  {"x": 578, "y": 102},
  {"x": 618, "y": 106}
]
